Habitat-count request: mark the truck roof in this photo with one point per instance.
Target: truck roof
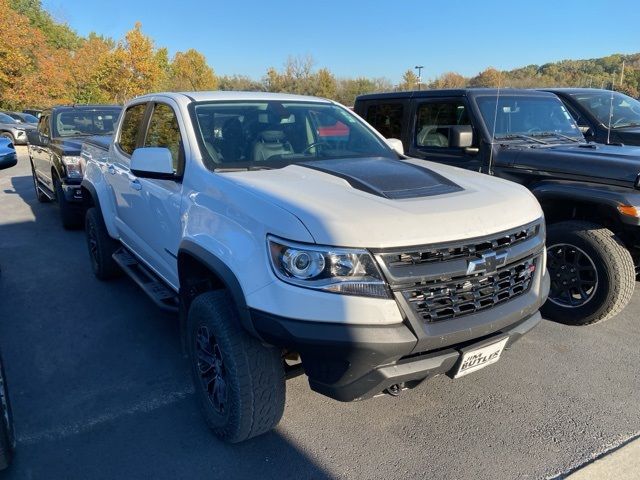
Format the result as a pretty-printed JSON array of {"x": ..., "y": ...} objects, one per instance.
[
  {"x": 471, "y": 92},
  {"x": 221, "y": 95}
]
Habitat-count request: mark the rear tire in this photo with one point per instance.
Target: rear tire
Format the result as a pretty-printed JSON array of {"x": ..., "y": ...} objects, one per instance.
[
  {"x": 592, "y": 273},
  {"x": 70, "y": 214},
  {"x": 101, "y": 246},
  {"x": 239, "y": 382},
  {"x": 7, "y": 434}
]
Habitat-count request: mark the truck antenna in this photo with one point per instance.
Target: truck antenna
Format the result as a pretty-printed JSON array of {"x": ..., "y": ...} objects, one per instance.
[
  {"x": 493, "y": 133},
  {"x": 610, "y": 117}
]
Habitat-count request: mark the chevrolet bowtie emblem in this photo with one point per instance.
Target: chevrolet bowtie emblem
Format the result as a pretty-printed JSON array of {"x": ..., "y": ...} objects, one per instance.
[{"x": 488, "y": 263}]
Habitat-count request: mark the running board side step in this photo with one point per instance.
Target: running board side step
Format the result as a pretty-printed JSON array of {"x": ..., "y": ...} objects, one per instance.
[{"x": 162, "y": 296}]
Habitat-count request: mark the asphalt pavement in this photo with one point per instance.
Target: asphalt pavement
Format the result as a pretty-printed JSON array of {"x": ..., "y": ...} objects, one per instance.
[{"x": 100, "y": 387}]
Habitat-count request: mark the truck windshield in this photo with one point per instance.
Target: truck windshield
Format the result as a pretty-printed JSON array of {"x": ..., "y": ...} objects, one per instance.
[
  {"x": 273, "y": 134},
  {"x": 522, "y": 117},
  {"x": 85, "y": 122},
  {"x": 611, "y": 108}
]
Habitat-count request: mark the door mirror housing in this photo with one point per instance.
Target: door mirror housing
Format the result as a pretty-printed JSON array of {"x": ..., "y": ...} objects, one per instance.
[
  {"x": 460, "y": 136},
  {"x": 152, "y": 162},
  {"x": 396, "y": 145}
]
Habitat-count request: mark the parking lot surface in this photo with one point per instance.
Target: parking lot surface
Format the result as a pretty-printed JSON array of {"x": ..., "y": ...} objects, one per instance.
[{"x": 100, "y": 387}]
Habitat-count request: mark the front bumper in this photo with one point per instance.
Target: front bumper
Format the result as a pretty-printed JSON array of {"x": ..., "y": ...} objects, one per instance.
[
  {"x": 353, "y": 362},
  {"x": 72, "y": 192}
]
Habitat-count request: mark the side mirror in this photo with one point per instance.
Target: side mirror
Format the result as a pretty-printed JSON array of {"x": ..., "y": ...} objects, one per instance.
[
  {"x": 587, "y": 132},
  {"x": 152, "y": 162},
  {"x": 460, "y": 136},
  {"x": 396, "y": 145}
]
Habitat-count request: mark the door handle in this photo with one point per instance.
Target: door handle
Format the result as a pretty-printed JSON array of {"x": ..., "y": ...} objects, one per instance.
[
  {"x": 111, "y": 169},
  {"x": 135, "y": 184}
]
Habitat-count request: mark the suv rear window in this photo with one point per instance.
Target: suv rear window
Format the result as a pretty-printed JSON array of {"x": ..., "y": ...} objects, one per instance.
[{"x": 130, "y": 127}]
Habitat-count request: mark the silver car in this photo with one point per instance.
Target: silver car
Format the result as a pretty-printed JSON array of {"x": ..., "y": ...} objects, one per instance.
[{"x": 15, "y": 131}]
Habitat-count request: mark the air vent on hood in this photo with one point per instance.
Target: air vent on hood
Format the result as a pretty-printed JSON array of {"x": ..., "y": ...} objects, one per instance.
[{"x": 393, "y": 179}]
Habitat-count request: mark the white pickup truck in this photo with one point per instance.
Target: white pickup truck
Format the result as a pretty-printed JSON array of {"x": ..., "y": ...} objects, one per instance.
[{"x": 292, "y": 238}]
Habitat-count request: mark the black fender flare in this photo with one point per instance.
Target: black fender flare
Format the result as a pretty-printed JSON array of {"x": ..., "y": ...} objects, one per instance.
[
  {"x": 88, "y": 186},
  {"x": 228, "y": 278},
  {"x": 609, "y": 196}
]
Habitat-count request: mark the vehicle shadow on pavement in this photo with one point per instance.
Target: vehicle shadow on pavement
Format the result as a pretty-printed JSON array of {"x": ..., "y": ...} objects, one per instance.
[{"x": 98, "y": 381}]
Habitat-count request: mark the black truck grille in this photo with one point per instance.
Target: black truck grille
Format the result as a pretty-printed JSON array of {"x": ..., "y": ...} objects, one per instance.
[
  {"x": 467, "y": 295},
  {"x": 444, "y": 281}
]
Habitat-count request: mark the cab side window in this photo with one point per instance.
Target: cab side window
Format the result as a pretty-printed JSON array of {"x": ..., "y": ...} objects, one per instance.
[
  {"x": 434, "y": 121},
  {"x": 386, "y": 118},
  {"x": 130, "y": 128},
  {"x": 164, "y": 131},
  {"x": 43, "y": 125}
]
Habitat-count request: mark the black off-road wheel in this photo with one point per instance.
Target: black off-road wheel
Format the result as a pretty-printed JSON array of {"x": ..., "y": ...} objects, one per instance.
[
  {"x": 42, "y": 198},
  {"x": 7, "y": 434},
  {"x": 592, "y": 273},
  {"x": 70, "y": 214},
  {"x": 239, "y": 382},
  {"x": 101, "y": 246}
]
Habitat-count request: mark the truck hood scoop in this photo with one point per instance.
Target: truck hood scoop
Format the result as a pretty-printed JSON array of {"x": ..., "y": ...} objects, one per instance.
[{"x": 387, "y": 178}]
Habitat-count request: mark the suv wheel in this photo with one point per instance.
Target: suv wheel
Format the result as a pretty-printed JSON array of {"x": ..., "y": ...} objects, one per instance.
[
  {"x": 7, "y": 435},
  {"x": 592, "y": 273},
  {"x": 239, "y": 382},
  {"x": 71, "y": 215},
  {"x": 42, "y": 198},
  {"x": 101, "y": 246}
]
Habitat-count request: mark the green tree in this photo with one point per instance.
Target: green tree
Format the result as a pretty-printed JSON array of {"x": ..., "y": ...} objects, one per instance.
[{"x": 409, "y": 81}]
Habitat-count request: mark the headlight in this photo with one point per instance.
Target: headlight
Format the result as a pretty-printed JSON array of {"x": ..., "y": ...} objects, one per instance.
[
  {"x": 73, "y": 166},
  {"x": 337, "y": 270}
]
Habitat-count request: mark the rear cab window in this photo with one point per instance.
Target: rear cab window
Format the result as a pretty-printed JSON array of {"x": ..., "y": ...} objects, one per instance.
[{"x": 386, "y": 118}]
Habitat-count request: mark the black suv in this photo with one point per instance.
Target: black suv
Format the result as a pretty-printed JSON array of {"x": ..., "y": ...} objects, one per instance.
[
  {"x": 54, "y": 152},
  {"x": 590, "y": 193},
  {"x": 604, "y": 116}
]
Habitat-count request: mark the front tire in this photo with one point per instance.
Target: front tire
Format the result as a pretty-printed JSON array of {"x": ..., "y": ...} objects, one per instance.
[
  {"x": 592, "y": 273},
  {"x": 71, "y": 215},
  {"x": 7, "y": 434},
  {"x": 101, "y": 246},
  {"x": 239, "y": 382}
]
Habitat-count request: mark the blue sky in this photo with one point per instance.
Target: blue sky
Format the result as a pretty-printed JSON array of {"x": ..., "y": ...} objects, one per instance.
[{"x": 369, "y": 38}]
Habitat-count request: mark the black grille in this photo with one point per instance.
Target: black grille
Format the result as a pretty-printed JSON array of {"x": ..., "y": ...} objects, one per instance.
[
  {"x": 463, "y": 251},
  {"x": 434, "y": 302}
]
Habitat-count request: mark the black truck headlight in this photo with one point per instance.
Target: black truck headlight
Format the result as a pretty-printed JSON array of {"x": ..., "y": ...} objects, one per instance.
[
  {"x": 338, "y": 270},
  {"x": 73, "y": 164}
]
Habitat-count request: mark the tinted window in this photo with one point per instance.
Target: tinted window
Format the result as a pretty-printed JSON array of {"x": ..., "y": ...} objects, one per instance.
[
  {"x": 164, "y": 131},
  {"x": 84, "y": 122},
  {"x": 43, "y": 125},
  {"x": 434, "y": 121},
  {"x": 273, "y": 134},
  {"x": 387, "y": 119},
  {"x": 130, "y": 127}
]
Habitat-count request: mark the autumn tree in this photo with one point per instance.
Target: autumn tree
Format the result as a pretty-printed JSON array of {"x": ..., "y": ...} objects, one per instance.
[
  {"x": 449, "y": 80},
  {"x": 240, "y": 83},
  {"x": 487, "y": 78},
  {"x": 409, "y": 81},
  {"x": 325, "y": 84},
  {"x": 189, "y": 72}
]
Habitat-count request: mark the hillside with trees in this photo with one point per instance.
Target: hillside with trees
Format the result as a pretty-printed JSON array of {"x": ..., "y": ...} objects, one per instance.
[{"x": 44, "y": 62}]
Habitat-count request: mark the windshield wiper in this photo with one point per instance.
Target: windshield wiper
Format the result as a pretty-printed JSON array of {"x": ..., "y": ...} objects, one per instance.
[
  {"x": 555, "y": 134},
  {"x": 633, "y": 124},
  {"x": 242, "y": 169},
  {"x": 521, "y": 136}
]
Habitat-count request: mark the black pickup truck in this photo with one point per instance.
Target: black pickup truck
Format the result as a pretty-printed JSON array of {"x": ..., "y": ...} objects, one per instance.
[
  {"x": 604, "y": 116},
  {"x": 590, "y": 193},
  {"x": 54, "y": 152}
]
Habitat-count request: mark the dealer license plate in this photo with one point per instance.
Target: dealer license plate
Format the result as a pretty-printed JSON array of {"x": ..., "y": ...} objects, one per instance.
[{"x": 478, "y": 358}]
